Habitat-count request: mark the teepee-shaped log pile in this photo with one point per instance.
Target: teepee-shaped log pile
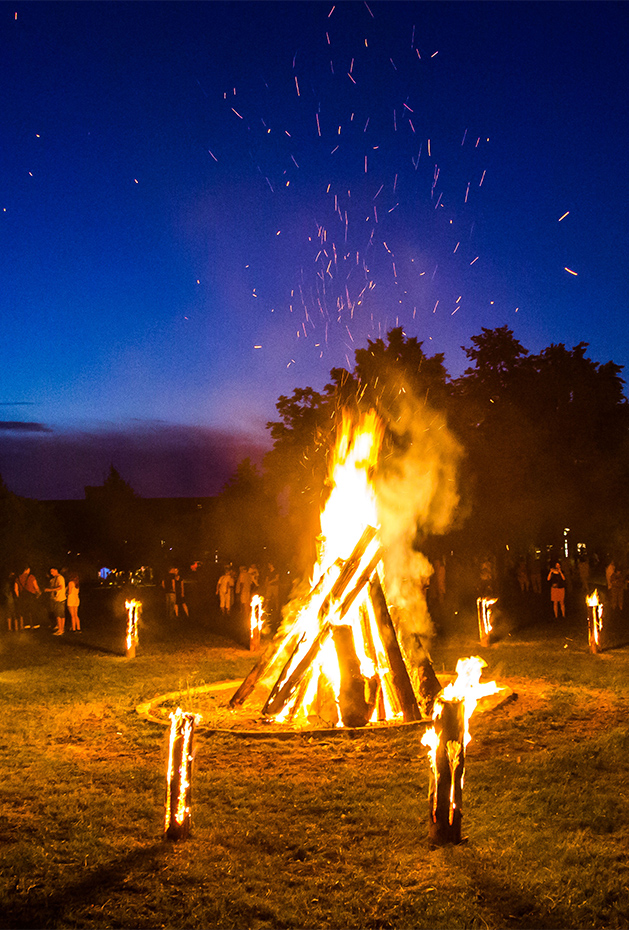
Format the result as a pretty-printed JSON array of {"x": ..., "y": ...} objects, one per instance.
[{"x": 341, "y": 660}]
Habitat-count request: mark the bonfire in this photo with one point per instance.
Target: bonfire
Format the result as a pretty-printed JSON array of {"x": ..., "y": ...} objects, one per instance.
[{"x": 339, "y": 659}]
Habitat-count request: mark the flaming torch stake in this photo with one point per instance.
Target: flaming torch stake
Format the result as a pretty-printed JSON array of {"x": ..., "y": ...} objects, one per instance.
[
  {"x": 446, "y": 742},
  {"x": 179, "y": 775},
  {"x": 485, "y": 606},
  {"x": 447, "y": 767},
  {"x": 134, "y": 610},
  {"x": 595, "y": 621},
  {"x": 255, "y": 622}
]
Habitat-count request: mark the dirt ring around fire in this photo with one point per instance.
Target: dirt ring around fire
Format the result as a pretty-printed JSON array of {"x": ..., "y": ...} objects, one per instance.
[{"x": 211, "y": 702}]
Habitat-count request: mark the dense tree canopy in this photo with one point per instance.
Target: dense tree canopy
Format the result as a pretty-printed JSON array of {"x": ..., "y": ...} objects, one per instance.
[{"x": 545, "y": 437}]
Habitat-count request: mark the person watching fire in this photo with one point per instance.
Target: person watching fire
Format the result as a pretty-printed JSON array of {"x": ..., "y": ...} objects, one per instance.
[
  {"x": 557, "y": 589},
  {"x": 57, "y": 591}
]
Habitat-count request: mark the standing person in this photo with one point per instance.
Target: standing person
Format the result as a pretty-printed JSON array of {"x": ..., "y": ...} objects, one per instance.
[
  {"x": 8, "y": 602},
  {"x": 243, "y": 589},
  {"x": 168, "y": 584},
  {"x": 272, "y": 590},
  {"x": 440, "y": 579},
  {"x": 57, "y": 591},
  {"x": 73, "y": 601},
  {"x": 557, "y": 589},
  {"x": 180, "y": 594},
  {"x": 26, "y": 593},
  {"x": 225, "y": 590},
  {"x": 522, "y": 575},
  {"x": 617, "y": 589},
  {"x": 536, "y": 575}
]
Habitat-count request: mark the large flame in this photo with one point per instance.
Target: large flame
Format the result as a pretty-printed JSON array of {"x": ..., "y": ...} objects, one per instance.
[
  {"x": 351, "y": 505},
  {"x": 350, "y": 509}
]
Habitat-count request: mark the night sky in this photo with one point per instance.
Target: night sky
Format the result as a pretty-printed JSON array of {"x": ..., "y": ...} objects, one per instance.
[{"x": 206, "y": 205}]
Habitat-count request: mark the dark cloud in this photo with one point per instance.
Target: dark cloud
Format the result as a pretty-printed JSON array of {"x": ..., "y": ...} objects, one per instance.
[
  {"x": 157, "y": 459},
  {"x": 23, "y": 426}
]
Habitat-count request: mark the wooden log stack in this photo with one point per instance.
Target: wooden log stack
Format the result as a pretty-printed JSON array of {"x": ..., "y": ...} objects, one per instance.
[{"x": 294, "y": 660}]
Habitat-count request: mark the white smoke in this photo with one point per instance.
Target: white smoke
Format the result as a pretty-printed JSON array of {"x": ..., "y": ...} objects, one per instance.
[{"x": 417, "y": 494}]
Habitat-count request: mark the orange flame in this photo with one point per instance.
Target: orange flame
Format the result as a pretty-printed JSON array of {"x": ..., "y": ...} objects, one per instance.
[
  {"x": 485, "y": 610},
  {"x": 596, "y": 618},
  {"x": 134, "y": 608}
]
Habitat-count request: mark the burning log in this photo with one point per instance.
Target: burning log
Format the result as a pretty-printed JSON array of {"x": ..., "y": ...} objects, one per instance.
[
  {"x": 277, "y": 702},
  {"x": 255, "y": 622},
  {"x": 274, "y": 650},
  {"x": 265, "y": 661},
  {"x": 134, "y": 609},
  {"x": 348, "y": 571},
  {"x": 428, "y": 684},
  {"x": 447, "y": 741},
  {"x": 179, "y": 776},
  {"x": 399, "y": 673},
  {"x": 484, "y": 606},
  {"x": 282, "y": 693},
  {"x": 447, "y": 766},
  {"x": 357, "y": 694},
  {"x": 595, "y": 621}
]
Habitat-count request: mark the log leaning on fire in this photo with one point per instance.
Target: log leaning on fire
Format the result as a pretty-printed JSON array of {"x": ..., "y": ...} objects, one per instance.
[
  {"x": 283, "y": 696},
  {"x": 282, "y": 693},
  {"x": 274, "y": 648},
  {"x": 399, "y": 673}
]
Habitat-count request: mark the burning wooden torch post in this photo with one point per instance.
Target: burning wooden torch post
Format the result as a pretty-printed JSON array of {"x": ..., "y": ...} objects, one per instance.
[
  {"x": 255, "y": 622},
  {"x": 179, "y": 775},
  {"x": 447, "y": 740},
  {"x": 595, "y": 621},
  {"x": 134, "y": 610},
  {"x": 485, "y": 606}
]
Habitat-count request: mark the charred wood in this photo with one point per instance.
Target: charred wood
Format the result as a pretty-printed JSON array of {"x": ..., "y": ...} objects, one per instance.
[{"x": 399, "y": 673}]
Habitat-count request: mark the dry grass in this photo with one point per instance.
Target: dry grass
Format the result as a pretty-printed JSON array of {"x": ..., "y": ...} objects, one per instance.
[{"x": 308, "y": 833}]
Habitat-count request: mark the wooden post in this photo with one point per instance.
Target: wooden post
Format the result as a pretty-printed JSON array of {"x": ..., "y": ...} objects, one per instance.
[
  {"x": 355, "y": 704},
  {"x": 179, "y": 776},
  {"x": 595, "y": 622},
  {"x": 399, "y": 673},
  {"x": 484, "y": 607},
  {"x": 447, "y": 759},
  {"x": 255, "y": 623},
  {"x": 134, "y": 609}
]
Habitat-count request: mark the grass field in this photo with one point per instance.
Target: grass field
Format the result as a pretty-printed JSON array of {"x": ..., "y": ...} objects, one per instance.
[{"x": 307, "y": 832}]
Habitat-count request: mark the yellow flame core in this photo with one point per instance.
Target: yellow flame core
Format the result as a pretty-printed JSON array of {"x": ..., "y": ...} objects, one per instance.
[
  {"x": 351, "y": 505},
  {"x": 133, "y": 609},
  {"x": 485, "y": 610},
  {"x": 594, "y": 603},
  {"x": 257, "y": 613},
  {"x": 181, "y": 724},
  {"x": 466, "y": 687}
]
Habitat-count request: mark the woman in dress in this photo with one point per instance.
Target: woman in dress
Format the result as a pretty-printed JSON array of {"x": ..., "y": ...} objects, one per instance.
[{"x": 73, "y": 601}]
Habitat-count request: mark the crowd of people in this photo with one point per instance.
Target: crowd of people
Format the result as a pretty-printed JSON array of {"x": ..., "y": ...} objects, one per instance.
[
  {"x": 27, "y": 606},
  {"x": 26, "y": 603}
]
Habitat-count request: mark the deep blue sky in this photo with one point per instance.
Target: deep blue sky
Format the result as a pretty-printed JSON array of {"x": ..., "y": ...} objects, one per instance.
[{"x": 181, "y": 183}]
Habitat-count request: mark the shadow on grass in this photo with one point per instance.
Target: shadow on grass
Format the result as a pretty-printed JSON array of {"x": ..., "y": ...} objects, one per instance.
[
  {"x": 35, "y": 909},
  {"x": 513, "y": 907}
]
